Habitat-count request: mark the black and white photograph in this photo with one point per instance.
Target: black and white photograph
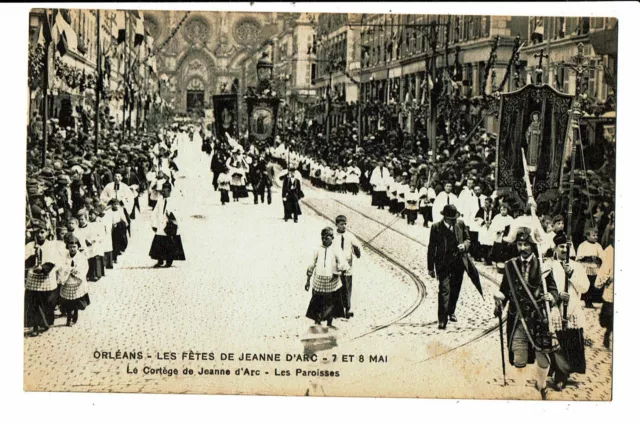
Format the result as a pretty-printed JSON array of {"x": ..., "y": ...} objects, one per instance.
[{"x": 389, "y": 205}]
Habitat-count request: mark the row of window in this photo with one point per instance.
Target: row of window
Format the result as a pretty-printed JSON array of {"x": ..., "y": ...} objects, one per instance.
[
  {"x": 412, "y": 87},
  {"x": 329, "y": 22},
  {"x": 386, "y": 38},
  {"x": 336, "y": 50},
  {"x": 393, "y": 37},
  {"x": 553, "y": 28}
]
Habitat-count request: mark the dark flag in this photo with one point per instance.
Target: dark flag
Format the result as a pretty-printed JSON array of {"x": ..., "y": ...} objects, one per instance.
[
  {"x": 49, "y": 27},
  {"x": 139, "y": 31},
  {"x": 536, "y": 119},
  {"x": 66, "y": 15},
  {"x": 63, "y": 43},
  {"x": 263, "y": 115},
  {"x": 121, "y": 23},
  {"x": 225, "y": 109}
]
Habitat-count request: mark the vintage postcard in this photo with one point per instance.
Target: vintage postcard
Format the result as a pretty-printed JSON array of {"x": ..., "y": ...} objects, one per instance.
[{"x": 320, "y": 204}]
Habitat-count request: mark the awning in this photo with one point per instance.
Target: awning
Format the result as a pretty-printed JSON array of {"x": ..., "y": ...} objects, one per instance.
[
  {"x": 395, "y": 72},
  {"x": 414, "y": 67},
  {"x": 306, "y": 99},
  {"x": 605, "y": 41},
  {"x": 378, "y": 75},
  {"x": 607, "y": 117}
]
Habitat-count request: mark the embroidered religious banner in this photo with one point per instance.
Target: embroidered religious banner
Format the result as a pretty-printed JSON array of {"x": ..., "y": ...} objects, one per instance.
[
  {"x": 263, "y": 115},
  {"x": 225, "y": 109},
  {"x": 536, "y": 119}
]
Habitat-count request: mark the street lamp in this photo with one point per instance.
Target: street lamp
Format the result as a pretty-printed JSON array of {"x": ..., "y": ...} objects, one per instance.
[{"x": 264, "y": 69}]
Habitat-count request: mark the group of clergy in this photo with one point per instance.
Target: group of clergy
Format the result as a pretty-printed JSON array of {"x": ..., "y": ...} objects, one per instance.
[{"x": 96, "y": 233}]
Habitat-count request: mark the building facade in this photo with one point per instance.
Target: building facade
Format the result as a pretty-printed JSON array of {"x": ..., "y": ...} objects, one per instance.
[
  {"x": 292, "y": 52},
  {"x": 556, "y": 40},
  {"x": 384, "y": 57},
  {"x": 73, "y": 75},
  {"x": 208, "y": 51}
]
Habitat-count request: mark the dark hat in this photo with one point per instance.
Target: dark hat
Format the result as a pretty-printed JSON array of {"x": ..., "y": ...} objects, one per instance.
[
  {"x": 64, "y": 179},
  {"x": 450, "y": 211},
  {"x": 71, "y": 239},
  {"x": 524, "y": 234},
  {"x": 47, "y": 172},
  {"x": 560, "y": 238},
  {"x": 38, "y": 225}
]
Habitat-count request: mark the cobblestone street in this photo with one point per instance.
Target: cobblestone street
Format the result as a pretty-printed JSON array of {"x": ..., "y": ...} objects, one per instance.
[
  {"x": 469, "y": 349},
  {"x": 241, "y": 290}
]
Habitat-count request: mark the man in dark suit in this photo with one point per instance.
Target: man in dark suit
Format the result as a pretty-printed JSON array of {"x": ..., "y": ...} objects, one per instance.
[
  {"x": 448, "y": 242},
  {"x": 218, "y": 162},
  {"x": 266, "y": 179},
  {"x": 291, "y": 194}
]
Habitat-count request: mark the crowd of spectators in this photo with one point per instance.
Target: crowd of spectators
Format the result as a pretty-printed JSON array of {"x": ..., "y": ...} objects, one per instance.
[{"x": 466, "y": 161}]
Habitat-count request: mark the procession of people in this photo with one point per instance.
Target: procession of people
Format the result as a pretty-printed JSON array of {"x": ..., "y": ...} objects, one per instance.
[
  {"x": 82, "y": 204},
  {"x": 470, "y": 222}
]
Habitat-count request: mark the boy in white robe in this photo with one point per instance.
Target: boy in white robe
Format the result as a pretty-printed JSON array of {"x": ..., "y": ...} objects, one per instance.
[{"x": 591, "y": 255}]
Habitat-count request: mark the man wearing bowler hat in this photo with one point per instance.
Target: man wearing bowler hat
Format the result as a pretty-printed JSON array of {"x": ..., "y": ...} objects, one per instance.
[{"x": 448, "y": 242}]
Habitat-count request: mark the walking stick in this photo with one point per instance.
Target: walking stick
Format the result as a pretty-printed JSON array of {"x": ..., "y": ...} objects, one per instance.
[{"x": 504, "y": 365}]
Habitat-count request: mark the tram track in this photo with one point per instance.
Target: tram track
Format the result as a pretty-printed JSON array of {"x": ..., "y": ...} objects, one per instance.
[
  {"x": 417, "y": 281},
  {"x": 484, "y": 274}
]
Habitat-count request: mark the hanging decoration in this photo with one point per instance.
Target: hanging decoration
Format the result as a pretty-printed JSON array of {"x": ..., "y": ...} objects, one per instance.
[
  {"x": 74, "y": 78},
  {"x": 490, "y": 64},
  {"x": 169, "y": 38},
  {"x": 514, "y": 57},
  {"x": 36, "y": 66}
]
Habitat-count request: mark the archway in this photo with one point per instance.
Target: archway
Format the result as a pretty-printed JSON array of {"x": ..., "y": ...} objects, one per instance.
[
  {"x": 195, "y": 97},
  {"x": 196, "y": 65}
]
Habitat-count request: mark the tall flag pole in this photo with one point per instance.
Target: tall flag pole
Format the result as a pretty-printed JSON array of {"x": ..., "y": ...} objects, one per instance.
[
  {"x": 48, "y": 37},
  {"x": 129, "y": 49},
  {"x": 99, "y": 81},
  {"x": 122, "y": 37}
]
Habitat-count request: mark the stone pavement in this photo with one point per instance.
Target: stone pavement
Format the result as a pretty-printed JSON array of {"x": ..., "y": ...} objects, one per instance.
[
  {"x": 241, "y": 290},
  {"x": 461, "y": 348}
]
